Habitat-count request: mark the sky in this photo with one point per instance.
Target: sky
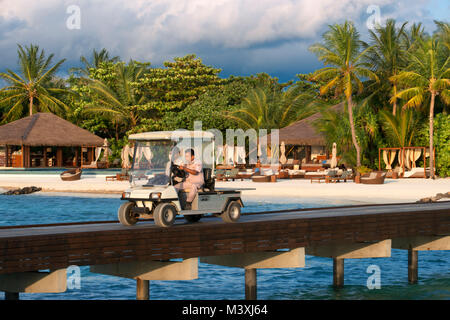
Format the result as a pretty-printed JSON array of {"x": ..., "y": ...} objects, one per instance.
[{"x": 241, "y": 37}]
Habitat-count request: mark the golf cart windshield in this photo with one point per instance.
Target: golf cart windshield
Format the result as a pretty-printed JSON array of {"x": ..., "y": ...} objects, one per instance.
[
  {"x": 157, "y": 156},
  {"x": 151, "y": 162}
]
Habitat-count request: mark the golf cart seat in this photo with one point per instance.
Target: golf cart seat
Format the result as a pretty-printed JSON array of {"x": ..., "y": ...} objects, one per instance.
[{"x": 209, "y": 180}]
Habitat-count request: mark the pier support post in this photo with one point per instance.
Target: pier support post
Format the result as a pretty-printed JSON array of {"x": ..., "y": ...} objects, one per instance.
[
  {"x": 250, "y": 284},
  {"x": 144, "y": 271},
  {"x": 341, "y": 251},
  {"x": 142, "y": 289},
  {"x": 251, "y": 261},
  {"x": 413, "y": 266},
  {"x": 338, "y": 272},
  {"x": 416, "y": 244}
]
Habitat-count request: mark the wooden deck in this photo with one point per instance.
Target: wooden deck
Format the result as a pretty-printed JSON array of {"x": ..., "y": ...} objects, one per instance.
[{"x": 58, "y": 246}]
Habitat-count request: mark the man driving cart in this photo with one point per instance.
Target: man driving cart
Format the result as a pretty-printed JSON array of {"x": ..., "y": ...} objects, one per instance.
[{"x": 194, "y": 179}]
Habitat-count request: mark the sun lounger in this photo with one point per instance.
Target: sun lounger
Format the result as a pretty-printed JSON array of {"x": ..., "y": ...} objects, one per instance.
[
  {"x": 232, "y": 174},
  {"x": 312, "y": 167},
  {"x": 296, "y": 174},
  {"x": 245, "y": 175},
  {"x": 261, "y": 179},
  {"x": 346, "y": 175},
  {"x": 416, "y": 173},
  {"x": 374, "y": 178},
  {"x": 315, "y": 176},
  {"x": 71, "y": 174}
]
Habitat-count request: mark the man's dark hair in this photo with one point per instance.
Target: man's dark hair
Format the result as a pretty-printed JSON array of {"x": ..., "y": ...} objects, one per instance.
[{"x": 190, "y": 151}]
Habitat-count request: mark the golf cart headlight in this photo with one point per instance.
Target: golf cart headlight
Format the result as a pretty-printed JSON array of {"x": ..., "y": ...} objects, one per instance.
[
  {"x": 155, "y": 195},
  {"x": 126, "y": 195}
]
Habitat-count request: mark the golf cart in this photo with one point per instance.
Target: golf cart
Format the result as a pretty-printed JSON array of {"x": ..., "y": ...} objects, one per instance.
[{"x": 155, "y": 171}]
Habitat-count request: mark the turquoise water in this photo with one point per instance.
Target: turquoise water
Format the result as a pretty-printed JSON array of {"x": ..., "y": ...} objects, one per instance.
[{"x": 215, "y": 282}]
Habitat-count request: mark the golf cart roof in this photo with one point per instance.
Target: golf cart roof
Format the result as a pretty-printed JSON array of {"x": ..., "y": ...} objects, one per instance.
[{"x": 172, "y": 135}]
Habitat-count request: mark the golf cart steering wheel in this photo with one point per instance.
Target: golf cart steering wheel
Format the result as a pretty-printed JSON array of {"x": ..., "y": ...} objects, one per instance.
[{"x": 177, "y": 172}]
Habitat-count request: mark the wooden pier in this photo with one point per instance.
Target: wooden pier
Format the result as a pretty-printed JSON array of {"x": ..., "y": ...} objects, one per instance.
[{"x": 145, "y": 252}]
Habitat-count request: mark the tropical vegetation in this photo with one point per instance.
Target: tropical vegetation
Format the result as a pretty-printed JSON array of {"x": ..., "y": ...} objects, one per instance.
[{"x": 394, "y": 85}]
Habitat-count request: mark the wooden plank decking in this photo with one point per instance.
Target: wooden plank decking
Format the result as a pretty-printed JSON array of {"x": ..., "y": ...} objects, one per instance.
[{"x": 58, "y": 246}]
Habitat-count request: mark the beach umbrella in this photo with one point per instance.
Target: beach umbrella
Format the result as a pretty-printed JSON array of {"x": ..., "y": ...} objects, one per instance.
[
  {"x": 262, "y": 152},
  {"x": 283, "y": 159},
  {"x": 107, "y": 152},
  {"x": 230, "y": 154},
  {"x": 334, "y": 156},
  {"x": 219, "y": 156},
  {"x": 239, "y": 152},
  {"x": 148, "y": 154},
  {"x": 125, "y": 155}
]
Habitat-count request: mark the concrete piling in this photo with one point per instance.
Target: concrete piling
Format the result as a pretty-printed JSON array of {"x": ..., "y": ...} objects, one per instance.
[
  {"x": 413, "y": 266},
  {"x": 250, "y": 284},
  {"x": 142, "y": 289}
]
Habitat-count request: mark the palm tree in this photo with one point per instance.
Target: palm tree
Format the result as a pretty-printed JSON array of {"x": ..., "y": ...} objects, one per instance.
[
  {"x": 347, "y": 65},
  {"x": 34, "y": 84},
  {"x": 121, "y": 103},
  {"x": 388, "y": 54},
  {"x": 260, "y": 111},
  {"x": 400, "y": 129},
  {"x": 427, "y": 76},
  {"x": 415, "y": 33},
  {"x": 443, "y": 32},
  {"x": 96, "y": 60}
]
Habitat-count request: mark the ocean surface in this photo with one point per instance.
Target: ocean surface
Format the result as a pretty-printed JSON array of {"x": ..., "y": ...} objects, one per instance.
[{"x": 216, "y": 282}]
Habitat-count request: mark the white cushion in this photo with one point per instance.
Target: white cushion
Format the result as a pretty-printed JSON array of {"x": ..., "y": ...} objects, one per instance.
[{"x": 373, "y": 175}]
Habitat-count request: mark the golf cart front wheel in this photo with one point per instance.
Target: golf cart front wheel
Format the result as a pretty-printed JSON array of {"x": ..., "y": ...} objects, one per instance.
[
  {"x": 232, "y": 212},
  {"x": 165, "y": 214},
  {"x": 125, "y": 214}
]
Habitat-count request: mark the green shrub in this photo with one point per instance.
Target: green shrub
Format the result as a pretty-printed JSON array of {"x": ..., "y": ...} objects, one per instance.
[{"x": 441, "y": 142}]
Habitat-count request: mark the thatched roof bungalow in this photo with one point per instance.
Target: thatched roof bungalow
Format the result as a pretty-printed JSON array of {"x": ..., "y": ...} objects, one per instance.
[
  {"x": 304, "y": 142},
  {"x": 44, "y": 140}
]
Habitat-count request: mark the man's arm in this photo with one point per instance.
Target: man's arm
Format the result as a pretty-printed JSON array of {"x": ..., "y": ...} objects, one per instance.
[{"x": 190, "y": 171}]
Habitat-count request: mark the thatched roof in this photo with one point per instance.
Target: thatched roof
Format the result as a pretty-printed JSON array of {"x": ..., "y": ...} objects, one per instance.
[
  {"x": 303, "y": 132},
  {"x": 46, "y": 129}
]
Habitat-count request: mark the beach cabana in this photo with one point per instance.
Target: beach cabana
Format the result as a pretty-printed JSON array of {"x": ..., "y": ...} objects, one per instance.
[
  {"x": 302, "y": 140},
  {"x": 406, "y": 161},
  {"x": 46, "y": 140}
]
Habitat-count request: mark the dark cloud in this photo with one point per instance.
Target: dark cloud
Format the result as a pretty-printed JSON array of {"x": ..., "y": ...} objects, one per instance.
[{"x": 240, "y": 37}]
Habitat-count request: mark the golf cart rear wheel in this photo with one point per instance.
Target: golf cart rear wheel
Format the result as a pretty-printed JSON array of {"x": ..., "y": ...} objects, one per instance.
[
  {"x": 232, "y": 212},
  {"x": 125, "y": 214},
  {"x": 165, "y": 214},
  {"x": 193, "y": 217}
]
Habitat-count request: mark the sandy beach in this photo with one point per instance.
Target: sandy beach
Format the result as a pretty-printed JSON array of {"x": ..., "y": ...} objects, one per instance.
[{"x": 392, "y": 191}]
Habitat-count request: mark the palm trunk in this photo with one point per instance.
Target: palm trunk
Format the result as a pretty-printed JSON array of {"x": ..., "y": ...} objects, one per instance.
[
  {"x": 31, "y": 106},
  {"x": 352, "y": 126},
  {"x": 433, "y": 95},
  {"x": 394, "y": 108}
]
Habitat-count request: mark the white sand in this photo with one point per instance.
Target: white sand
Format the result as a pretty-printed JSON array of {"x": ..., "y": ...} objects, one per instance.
[{"x": 392, "y": 191}]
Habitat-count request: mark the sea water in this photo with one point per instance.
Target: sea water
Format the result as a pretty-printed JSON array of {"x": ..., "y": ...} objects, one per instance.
[{"x": 314, "y": 281}]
